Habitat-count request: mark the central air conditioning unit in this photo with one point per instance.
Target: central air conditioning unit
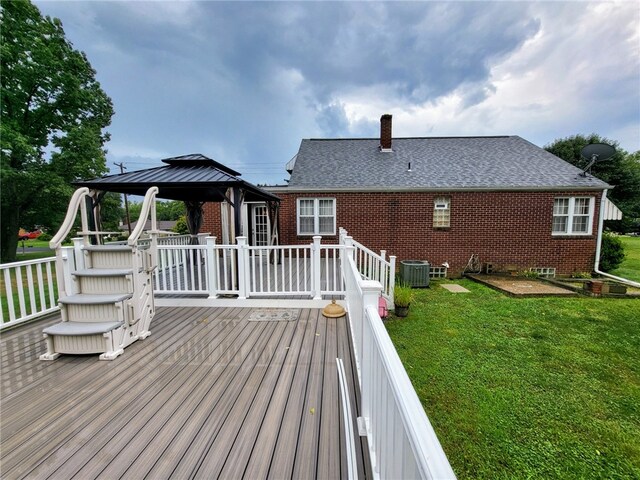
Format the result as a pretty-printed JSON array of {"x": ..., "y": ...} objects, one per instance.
[{"x": 414, "y": 273}]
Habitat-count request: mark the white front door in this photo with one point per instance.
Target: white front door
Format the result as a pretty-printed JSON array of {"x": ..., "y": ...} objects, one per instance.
[{"x": 260, "y": 221}]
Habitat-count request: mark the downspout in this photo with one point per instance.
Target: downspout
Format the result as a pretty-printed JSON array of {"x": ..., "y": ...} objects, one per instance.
[{"x": 599, "y": 245}]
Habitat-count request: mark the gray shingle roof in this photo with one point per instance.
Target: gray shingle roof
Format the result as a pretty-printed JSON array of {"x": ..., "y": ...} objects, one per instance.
[{"x": 507, "y": 162}]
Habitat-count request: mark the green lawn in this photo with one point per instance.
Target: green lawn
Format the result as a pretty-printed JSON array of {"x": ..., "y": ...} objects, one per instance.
[
  {"x": 527, "y": 388},
  {"x": 630, "y": 268}
]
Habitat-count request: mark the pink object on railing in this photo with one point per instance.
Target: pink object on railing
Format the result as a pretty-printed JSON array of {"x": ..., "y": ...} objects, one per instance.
[{"x": 382, "y": 307}]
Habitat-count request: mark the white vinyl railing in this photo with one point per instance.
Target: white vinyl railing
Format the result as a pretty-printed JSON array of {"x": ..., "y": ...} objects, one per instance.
[
  {"x": 402, "y": 442},
  {"x": 373, "y": 266},
  {"x": 181, "y": 269},
  {"x": 283, "y": 270},
  {"x": 248, "y": 271},
  {"x": 28, "y": 290},
  {"x": 171, "y": 239}
]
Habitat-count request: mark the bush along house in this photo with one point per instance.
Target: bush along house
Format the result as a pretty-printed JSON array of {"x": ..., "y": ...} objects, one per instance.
[{"x": 441, "y": 199}]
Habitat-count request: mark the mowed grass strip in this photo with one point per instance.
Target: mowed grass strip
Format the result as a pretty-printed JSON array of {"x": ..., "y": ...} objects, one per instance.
[
  {"x": 630, "y": 267},
  {"x": 527, "y": 388}
]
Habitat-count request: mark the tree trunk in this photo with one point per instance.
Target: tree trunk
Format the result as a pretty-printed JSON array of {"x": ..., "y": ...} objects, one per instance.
[{"x": 9, "y": 234}]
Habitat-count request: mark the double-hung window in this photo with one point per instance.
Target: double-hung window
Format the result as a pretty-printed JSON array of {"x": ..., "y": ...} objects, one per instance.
[
  {"x": 572, "y": 216},
  {"x": 316, "y": 216},
  {"x": 441, "y": 212}
]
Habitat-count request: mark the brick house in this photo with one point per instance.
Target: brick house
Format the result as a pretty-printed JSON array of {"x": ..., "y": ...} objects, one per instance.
[{"x": 440, "y": 199}]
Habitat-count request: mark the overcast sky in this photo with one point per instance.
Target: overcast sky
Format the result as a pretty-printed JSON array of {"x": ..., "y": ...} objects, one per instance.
[{"x": 244, "y": 82}]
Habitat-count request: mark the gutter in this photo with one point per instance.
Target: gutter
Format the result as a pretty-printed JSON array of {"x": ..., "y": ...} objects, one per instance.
[
  {"x": 596, "y": 268},
  {"x": 379, "y": 189}
]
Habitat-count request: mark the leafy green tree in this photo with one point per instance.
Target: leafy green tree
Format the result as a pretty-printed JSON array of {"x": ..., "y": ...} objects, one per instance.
[
  {"x": 169, "y": 210},
  {"x": 51, "y": 102},
  {"x": 111, "y": 211},
  {"x": 622, "y": 171}
]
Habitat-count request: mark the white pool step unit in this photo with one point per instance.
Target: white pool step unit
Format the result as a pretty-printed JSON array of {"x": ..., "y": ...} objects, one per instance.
[{"x": 113, "y": 305}]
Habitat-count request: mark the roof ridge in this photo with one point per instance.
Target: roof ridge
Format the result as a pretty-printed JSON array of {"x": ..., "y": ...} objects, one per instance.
[{"x": 412, "y": 138}]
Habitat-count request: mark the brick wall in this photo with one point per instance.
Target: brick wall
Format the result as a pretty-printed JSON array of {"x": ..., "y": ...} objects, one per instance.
[
  {"x": 212, "y": 220},
  {"x": 503, "y": 228}
]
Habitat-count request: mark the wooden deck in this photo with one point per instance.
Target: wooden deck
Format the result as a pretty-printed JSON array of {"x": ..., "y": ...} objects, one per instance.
[{"x": 208, "y": 395}]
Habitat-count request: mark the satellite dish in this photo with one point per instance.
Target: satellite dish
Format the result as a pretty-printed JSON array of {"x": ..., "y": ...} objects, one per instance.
[{"x": 596, "y": 152}]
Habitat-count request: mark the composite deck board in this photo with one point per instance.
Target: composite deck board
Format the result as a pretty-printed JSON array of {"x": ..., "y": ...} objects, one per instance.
[
  {"x": 307, "y": 445},
  {"x": 208, "y": 395},
  {"x": 277, "y": 425},
  {"x": 85, "y": 411}
]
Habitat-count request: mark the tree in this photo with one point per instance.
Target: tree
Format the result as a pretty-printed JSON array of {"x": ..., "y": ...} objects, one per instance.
[
  {"x": 622, "y": 171},
  {"x": 51, "y": 102},
  {"x": 169, "y": 210}
]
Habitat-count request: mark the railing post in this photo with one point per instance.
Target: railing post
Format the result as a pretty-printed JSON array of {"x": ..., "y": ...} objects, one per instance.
[
  {"x": 212, "y": 274},
  {"x": 392, "y": 280},
  {"x": 348, "y": 241},
  {"x": 67, "y": 267},
  {"x": 316, "y": 284},
  {"x": 78, "y": 251},
  {"x": 243, "y": 267},
  {"x": 342, "y": 234},
  {"x": 370, "y": 293}
]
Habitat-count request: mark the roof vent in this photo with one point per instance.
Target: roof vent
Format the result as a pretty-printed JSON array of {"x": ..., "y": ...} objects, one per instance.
[{"x": 385, "y": 133}]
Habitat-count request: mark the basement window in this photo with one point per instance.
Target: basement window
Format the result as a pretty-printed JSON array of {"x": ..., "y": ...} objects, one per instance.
[
  {"x": 572, "y": 216},
  {"x": 441, "y": 212},
  {"x": 316, "y": 216}
]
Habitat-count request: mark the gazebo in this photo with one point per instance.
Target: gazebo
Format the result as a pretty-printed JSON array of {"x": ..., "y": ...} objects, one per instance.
[{"x": 194, "y": 179}]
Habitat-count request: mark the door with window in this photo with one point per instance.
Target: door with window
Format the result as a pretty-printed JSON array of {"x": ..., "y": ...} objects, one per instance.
[{"x": 260, "y": 223}]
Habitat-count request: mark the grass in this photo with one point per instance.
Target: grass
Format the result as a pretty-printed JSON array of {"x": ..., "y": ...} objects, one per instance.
[
  {"x": 630, "y": 267},
  {"x": 527, "y": 388}
]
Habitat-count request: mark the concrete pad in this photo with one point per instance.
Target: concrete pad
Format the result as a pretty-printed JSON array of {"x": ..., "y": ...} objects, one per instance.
[{"x": 452, "y": 287}]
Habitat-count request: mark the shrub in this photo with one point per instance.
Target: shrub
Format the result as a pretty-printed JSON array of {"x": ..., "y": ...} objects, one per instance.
[
  {"x": 45, "y": 237},
  {"x": 581, "y": 275},
  {"x": 402, "y": 295},
  {"x": 611, "y": 252},
  {"x": 529, "y": 274},
  {"x": 181, "y": 226}
]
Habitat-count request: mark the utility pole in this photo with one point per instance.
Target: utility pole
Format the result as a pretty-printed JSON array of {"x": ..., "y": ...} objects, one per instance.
[{"x": 126, "y": 201}]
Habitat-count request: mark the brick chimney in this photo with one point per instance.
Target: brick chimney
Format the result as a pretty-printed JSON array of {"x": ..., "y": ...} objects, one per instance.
[{"x": 385, "y": 132}]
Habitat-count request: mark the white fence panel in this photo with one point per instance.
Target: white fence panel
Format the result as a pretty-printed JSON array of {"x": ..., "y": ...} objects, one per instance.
[
  {"x": 373, "y": 266},
  {"x": 28, "y": 290},
  {"x": 281, "y": 270},
  {"x": 226, "y": 269},
  {"x": 401, "y": 441},
  {"x": 330, "y": 271},
  {"x": 181, "y": 269}
]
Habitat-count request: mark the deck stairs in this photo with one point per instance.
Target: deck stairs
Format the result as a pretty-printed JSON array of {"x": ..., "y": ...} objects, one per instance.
[{"x": 109, "y": 303}]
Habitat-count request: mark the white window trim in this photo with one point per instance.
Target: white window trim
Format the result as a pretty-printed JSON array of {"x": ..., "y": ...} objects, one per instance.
[
  {"x": 316, "y": 216},
  {"x": 570, "y": 215},
  {"x": 441, "y": 204}
]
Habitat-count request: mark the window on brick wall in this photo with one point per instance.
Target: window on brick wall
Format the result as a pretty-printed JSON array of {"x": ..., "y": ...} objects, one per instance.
[
  {"x": 572, "y": 216},
  {"x": 316, "y": 216},
  {"x": 441, "y": 212}
]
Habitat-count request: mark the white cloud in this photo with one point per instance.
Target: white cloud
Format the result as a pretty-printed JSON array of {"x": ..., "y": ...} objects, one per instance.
[{"x": 580, "y": 69}]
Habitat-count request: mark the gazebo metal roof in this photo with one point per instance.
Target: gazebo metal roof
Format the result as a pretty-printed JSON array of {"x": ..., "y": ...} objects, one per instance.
[{"x": 193, "y": 177}]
